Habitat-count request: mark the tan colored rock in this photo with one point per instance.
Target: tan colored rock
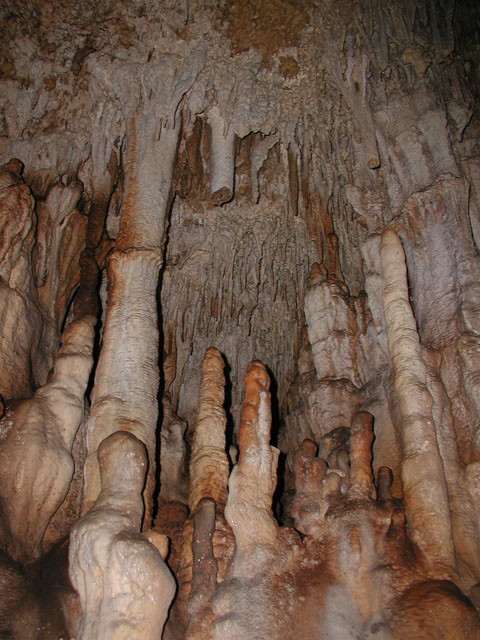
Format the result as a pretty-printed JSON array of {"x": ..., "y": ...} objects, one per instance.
[
  {"x": 253, "y": 479},
  {"x": 361, "y": 439},
  {"x": 127, "y": 376},
  {"x": 425, "y": 491},
  {"x": 35, "y": 448},
  {"x": 208, "y": 461},
  {"x": 20, "y": 319},
  {"x": 125, "y": 588}
]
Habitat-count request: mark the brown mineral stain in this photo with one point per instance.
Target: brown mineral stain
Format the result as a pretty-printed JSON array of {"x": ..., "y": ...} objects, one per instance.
[
  {"x": 265, "y": 26},
  {"x": 49, "y": 83},
  {"x": 288, "y": 66}
]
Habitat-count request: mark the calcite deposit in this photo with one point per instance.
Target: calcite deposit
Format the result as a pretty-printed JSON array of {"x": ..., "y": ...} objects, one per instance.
[{"x": 240, "y": 320}]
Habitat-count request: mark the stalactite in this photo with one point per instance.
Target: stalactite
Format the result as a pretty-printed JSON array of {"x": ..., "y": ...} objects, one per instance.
[{"x": 222, "y": 158}]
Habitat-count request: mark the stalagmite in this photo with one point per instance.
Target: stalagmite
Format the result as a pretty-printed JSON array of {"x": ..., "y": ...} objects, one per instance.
[
  {"x": 204, "y": 579},
  {"x": 125, "y": 588},
  {"x": 36, "y": 465},
  {"x": 361, "y": 439},
  {"x": 209, "y": 471},
  {"x": 222, "y": 158},
  {"x": 253, "y": 479},
  {"x": 308, "y": 505},
  {"x": 208, "y": 461},
  {"x": 426, "y": 501}
]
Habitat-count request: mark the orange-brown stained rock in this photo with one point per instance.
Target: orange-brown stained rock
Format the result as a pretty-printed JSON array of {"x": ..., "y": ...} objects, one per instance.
[
  {"x": 384, "y": 483},
  {"x": 434, "y": 608},
  {"x": 20, "y": 318},
  {"x": 204, "y": 580},
  {"x": 208, "y": 475},
  {"x": 208, "y": 462},
  {"x": 361, "y": 439},
  {"x": 309, "y": 493},
  {"x": 253, "y": 479}
]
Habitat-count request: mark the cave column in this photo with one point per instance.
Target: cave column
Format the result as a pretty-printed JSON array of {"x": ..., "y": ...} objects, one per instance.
[{"x": 127, "y": 375}]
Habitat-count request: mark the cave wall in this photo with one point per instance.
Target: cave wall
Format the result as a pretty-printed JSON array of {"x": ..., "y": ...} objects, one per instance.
[{"x": 296, "y": 185}]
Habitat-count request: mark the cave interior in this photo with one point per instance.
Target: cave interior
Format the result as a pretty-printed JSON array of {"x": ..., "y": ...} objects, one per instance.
[{"x": 240, "y": 320}]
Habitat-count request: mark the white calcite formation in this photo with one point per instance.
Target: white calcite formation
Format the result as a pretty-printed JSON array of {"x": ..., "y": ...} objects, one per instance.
[{"x": 124, "y": 586}]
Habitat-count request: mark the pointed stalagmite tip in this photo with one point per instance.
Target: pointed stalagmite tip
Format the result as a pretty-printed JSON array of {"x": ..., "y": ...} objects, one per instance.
[
  {"x": 391, "y": 241},
  {"x": 213, "y": 356},
  {"x": 257, "y": 373}
]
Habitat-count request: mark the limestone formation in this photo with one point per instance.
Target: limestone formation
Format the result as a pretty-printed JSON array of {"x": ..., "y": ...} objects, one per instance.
[
  {"x": 35, "y": 449},
  {"x": 253, "y": 479},
  {"x": 125, "y": 588},
  {"x": 21, "y": 319},
  {"x": 222, "y": 154},
  {"x": 130, "y": 340},
  {"x": 208, "y": 460},
  {"x": 196, "y": 191}
]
